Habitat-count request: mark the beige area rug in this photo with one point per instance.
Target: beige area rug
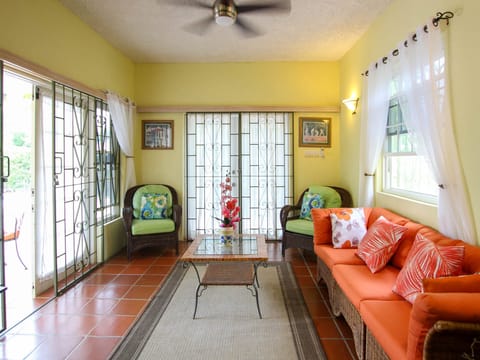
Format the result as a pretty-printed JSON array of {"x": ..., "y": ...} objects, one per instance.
[{"x": 227, "y": 325}]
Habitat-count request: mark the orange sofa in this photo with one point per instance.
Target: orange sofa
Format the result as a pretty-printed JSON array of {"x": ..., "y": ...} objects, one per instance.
[{"x": 442, "y": 322}]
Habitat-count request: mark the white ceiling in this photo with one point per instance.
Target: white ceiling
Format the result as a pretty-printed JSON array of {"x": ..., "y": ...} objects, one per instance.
[{"x": 153, "y": 31}]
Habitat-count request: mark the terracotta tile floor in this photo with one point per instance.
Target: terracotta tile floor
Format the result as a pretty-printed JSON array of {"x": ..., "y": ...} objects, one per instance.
[{"x": 91, "y": 319}]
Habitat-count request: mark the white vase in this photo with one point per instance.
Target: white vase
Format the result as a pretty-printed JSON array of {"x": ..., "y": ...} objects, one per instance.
[{"x": 226, "y": 234}]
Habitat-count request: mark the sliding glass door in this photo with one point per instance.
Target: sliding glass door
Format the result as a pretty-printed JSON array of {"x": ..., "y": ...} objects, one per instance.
[
  {"x": 257, "y": 150},
  {"x": 78, "y": 229},
  {"x": 3, "y": 288},
  {"x": 60, "y": 178}
]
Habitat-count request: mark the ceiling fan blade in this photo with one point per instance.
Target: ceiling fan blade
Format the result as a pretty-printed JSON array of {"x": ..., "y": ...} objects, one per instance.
[
  {"x": 247, "y": 29},
  {"x": 201, "y": 26},
  {"x": 192, "y": 3},
  {"x": 283, "y": 6}
]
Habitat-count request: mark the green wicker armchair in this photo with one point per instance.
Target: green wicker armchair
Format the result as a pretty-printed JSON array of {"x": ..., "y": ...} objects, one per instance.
[
  {"x": 152, "y": 217},
  {"x": 298, "y": 232}
]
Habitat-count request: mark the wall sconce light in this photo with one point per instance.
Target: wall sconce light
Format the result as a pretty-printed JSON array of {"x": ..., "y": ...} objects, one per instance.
[{"x": 351, "y": 104}]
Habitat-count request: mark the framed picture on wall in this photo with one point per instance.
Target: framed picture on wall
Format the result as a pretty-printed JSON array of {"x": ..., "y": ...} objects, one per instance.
[
  {"x": 157, "y": 134},
  {"x": 315, "y": 132}
]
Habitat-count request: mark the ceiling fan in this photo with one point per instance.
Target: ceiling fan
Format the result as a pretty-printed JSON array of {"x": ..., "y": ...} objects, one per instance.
[{"x": 228, "y": 13}]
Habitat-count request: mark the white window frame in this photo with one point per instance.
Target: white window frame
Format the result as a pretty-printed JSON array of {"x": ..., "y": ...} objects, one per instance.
[{"x": 403, "y": 146}]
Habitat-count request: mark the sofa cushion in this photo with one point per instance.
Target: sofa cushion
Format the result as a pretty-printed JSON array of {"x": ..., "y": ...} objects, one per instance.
[
  {"x": 428, "y": 308},
  {"x": 310, "y": 201},
  {"x": 144, "y": 227},
  {"x": 300, "y": 226},
  {"x": 322, "y": 226},
  {"x": 348, "y": 227},
  {"x": 331, "y": 256},
  {"x": 471, "y": 263},
  {"x": 405, "y": 244},
  {"x": 358, "y": 283},
  {"x": 388, "y": 322},
  {"x": 380, "y": 243},
  {"x": 462, "y": 283},
  {"x": 387, "y": 214},
  {"x": 330, "y": 196},
  {"x": 427, "y": 260}
]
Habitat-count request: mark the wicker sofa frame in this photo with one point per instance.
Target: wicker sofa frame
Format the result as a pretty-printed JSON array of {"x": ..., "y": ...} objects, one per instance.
[
  {"x": 137, "y": 242},
  {"x": 291, "y": 212},
  {"x": 340, "y": 305}
]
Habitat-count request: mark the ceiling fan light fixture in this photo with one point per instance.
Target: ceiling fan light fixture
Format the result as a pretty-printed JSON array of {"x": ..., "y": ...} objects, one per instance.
[{"x": 225, "y": 13}]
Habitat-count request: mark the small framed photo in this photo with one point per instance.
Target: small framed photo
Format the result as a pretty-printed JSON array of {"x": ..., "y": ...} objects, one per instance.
[
  {"x": 157, "y": 134},
  {"x": 315, "y": 132}
]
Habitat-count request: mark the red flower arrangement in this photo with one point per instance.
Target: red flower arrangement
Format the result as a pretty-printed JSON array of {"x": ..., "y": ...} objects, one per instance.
[{"x": 230, "y": 208}]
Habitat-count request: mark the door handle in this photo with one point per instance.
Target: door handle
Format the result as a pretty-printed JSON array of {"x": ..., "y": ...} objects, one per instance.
[{"x": 5, "y": 174}]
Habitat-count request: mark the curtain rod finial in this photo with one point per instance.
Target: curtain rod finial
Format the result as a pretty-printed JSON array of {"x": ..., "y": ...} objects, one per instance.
[{"x": 447, "y": 15}]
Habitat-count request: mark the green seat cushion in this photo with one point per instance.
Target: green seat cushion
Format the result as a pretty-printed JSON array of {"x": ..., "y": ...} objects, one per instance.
[
  {"x": 152, "y": 202},
  {"x": 330, "y": 196},
  {"x": 300, "y": 226},
  {"x": 144, "y": 227}
]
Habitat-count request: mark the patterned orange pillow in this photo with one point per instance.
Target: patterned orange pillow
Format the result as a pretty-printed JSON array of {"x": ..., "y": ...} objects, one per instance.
[
  {"x": 427, "y": 260},
  {"x": 380, "y": 243},
  {"x": 348, "y": 227}
]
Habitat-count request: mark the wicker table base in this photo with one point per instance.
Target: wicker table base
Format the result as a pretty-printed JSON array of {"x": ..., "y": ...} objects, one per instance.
[{"x": 231, "y": 274}]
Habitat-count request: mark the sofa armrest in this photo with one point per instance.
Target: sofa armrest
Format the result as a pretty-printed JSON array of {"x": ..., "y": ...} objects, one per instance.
[
  {"x": 452, "y": 340},
  {"x": 429, "y": 308},
  {"x": 285, "y": 214}
]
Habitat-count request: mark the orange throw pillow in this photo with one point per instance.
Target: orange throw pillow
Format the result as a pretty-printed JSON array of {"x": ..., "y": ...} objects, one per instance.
[
  {"x": 380, "y": 243},
  {"x": 462, "y": 283},
  {"x": 427, "y": 260}
]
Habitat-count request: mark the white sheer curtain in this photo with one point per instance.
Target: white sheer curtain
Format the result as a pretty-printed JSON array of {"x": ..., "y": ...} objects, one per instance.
[
  {"x": 425, "y": 100},
  {"x": 373, "y": 117},
  {"x": 44, "y": 192},
  {"x": 122, "y": 112}
]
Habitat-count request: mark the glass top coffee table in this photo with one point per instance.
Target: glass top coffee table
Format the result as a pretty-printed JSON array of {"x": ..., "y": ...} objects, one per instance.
[{"x": 231, "y": 264}]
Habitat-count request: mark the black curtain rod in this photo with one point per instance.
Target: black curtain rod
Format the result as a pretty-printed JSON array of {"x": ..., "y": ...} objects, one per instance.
[{"x": 447, "y": 15}]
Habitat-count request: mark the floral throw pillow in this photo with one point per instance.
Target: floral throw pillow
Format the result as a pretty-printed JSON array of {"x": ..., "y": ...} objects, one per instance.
[
  {"x": 154, "y": 206},
  {"x": 380, "y": 243},
  {"x": 310, "y": 201},
  {"x": 348, "y": 227},
  {"x": 427, "y": 260}
]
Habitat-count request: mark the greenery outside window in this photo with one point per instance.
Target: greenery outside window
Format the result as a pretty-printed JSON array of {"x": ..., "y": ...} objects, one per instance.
[
  {"x": 404, "y": 172},
  {"x": 108, "y": 166}
]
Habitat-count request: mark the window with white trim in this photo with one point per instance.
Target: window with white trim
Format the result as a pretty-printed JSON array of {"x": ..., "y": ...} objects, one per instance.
[{"x": 405, "y": 173}]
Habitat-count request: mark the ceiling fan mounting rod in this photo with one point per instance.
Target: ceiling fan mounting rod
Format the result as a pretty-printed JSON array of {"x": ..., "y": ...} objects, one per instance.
[{"x": 225, "y": 12}]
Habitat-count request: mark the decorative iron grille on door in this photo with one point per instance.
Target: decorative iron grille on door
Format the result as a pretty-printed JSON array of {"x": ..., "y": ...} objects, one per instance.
[
  {"x": 257, "y": 149},
  {"x": 78, "y": 229},
  {"x": 3, "y": 288}
]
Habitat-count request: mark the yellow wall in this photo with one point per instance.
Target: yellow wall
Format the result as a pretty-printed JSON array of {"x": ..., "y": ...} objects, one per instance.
[
  {"x": 161, "y": 166},
  {"x": 310, "y": 170},
  {"x": 44, "y": 33},
  {"x": 237, "y": 84},
  {"x": 401, "y": 19},
  {"x": 283, "y": 83}
]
